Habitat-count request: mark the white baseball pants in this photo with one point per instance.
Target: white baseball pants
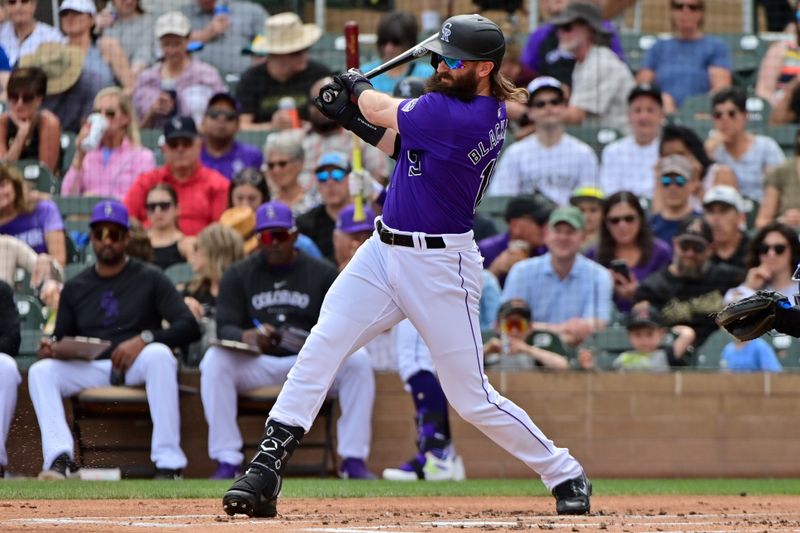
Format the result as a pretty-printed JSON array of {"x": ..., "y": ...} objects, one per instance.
[
  {"x": 439, "y": 291},
  {"x": 9, "y": 381},
  {"x": 50, "y": 380},
  {"x": 225, "y": 373}
]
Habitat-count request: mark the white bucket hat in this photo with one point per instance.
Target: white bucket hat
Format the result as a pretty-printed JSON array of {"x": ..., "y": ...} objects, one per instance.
[{"x": 284, "y": 33}]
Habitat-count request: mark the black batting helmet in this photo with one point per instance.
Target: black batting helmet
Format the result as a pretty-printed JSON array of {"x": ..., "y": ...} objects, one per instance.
[
  {"x": 410, "y": 87},
  {"x": 470, "y": 37}
]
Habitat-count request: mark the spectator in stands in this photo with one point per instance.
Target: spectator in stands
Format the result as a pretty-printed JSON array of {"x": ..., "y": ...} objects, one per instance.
[
  {"x": 781, "y": 200},
  {"x": 15, "y": 254},
  {"x": 26, "y": 130},
  {"x": 170, "y": 246},
  {"x": 590, "y": 201},
  {"x": 127, "y": 22},
  {"x": 569, "y": 295},
  {"x": 646, "y": 336},
  {"x": 221, "y": 150},
  {"x": 675, "y": 182},
  {"x": 627, "y": 247},
  {"x": 103, "y": 57},
  {"x": 10, "y": 378},
  {"x": 21, "y": 33},
  {"x": 750, "y": 356},
  {"x": 247, "y": 296},
  {"x": 288, "y": 72},
  {"x": 542, "y": 55},
  {"x": 332, "y": 173},
  {"x": 177, "y": 85},
  {"x": 680, "y": 140},
  {"x": 601, "y": 81},
  {"x": 397, "y": 32},
  {"x": 110, "y": 169},
  {"x": 325, "y": 135},
  {"x": 35, "y": 222},
  {"x": 705, "y": 62},
  {"x": 511, "y": 346},
  {"x": 723, "y": 209},
  {"x": 550, "y": 161},
  {"x": 224, "y": 32},
  {"x": 202, "y": 192},
  {"x": 690, "y": 290},
  {"x": 284, "y": 161},
  {"x": 627, "y": 164},
  {"x": 124, "y": 301},
  {"x": 772, "y": 258},
  {"x": 526, "y": 218},
  {"x": 749, "y": 155},
  {"x": 777, "y": 75}
]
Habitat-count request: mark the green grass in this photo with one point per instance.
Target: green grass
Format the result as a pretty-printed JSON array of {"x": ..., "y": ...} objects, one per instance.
[{"x": 332, "y": 488}]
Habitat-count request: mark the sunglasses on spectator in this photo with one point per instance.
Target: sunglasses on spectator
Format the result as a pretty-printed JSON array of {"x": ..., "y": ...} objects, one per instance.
[
  {"x": 680, "y": 181},
  {"x": 628, "y": 219},
  {"x": 105, "y": 232},
  {"x": 109, "y": 113},
  {"x": 160, "y": 206},
  {"x": 279, "y": 164},
  {"x": 730, "y": 113},
  {"x": 765, "y": 248},
  {"x": 337, "y": 174},
  {"x": 273, "y": 237},
  {"x": 692, "y": 246},
  {"x": 566, "y": 27},
  {"x": 541, "y": 104},
  {"x": 25, "y": 97},
  {"x": 679, "y": 6},
  {"x": 230, "y": 116},
  {"x": 452, "y": 64},
  {"x": 181, "y": 142},
  {"x": 14, "y": 2}
]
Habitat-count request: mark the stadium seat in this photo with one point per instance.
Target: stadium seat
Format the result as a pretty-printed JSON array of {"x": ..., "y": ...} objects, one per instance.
[
  {"x": 256, "y": 402},
  {"x": 38, "y": 174},
  {"x": 785, "y": 135},
  {"x": 180, "y": 273},
  {"x": 707, "y": 356},
  {"x": 747, "y": 51},
  {"x": 751, "y": 206},
  {"x": 596, "y": 137},
  {"x": 67, "y": 142},
  {"x": 32, "y": 317},
  {"x": 607, "y": 344},
  {"x": 153, "y": 139},
  {"x": 547, "y": 341},
  {"x": 256, "y": 138},
  {"x": 787, "y": 348},
  {"x": 73, "y": 269}
]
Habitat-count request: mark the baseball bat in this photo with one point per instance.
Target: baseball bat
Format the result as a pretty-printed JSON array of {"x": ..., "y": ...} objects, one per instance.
[{"x": 352, "y": 60}]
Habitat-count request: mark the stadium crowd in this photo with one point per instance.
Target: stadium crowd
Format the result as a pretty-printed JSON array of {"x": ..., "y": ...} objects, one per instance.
[{"x": 187, "y": 178}]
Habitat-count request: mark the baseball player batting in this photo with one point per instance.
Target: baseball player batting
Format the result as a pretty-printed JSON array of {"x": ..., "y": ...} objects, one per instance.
[{"x": 421, "y": 262}]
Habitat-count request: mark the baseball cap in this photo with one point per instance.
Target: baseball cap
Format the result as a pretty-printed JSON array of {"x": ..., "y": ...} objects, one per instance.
[
  {"x": 173, "y": 23},
  {"x": 675, "y": 164},
  {"x": 110, "y": 211},
  {"x": 570, "y": 215},
  {"x": 586, "y": 193},
  {"x": 227, "y": 97},
  {"x": 544, "y": 82},
  {"x": 516, "y": 306},
  {"x": 724, "y": 194},
  {"x": 333, "y": 159},
  {"x": 274, "y": 215},
  {"x": 180, "y": 128},
  {"x": 645, "y": 89},
  {"x": 81, "y": 6},
  {"x": 643, "y": 315},
  {"x": 695, "y": 228},
  {"x": 346, "y": 224},
  {"x": 536, "y": 207}
]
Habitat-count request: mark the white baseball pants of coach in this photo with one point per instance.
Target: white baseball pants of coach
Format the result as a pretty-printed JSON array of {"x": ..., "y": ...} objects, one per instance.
[
  {"x": 9, "y": 381},
  {"x": 224, "y": 374},
  {"x": 50, "y": 380},
  {"x": 439, "y": 291}
]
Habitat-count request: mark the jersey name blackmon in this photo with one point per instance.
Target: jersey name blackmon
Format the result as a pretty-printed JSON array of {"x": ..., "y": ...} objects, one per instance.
[
  {"x": 496, "y": 136},
  {"x": 280, "y": 297}
]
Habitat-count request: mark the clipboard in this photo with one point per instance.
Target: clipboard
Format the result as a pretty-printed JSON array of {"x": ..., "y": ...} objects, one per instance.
[
  {"x": 240, "y": 347},
  {"x": 85, "y": 348}
]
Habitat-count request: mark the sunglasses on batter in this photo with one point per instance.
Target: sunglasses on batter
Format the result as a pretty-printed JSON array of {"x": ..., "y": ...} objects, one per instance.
[
  {"x": 337, "y": 174},
  {"x": 274, "y": 237},
  {"x": 452, "y": 64}
]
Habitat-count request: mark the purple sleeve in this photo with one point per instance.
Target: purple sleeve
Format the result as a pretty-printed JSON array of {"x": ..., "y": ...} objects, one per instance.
[
  {"x": 616, "y": 42},
  {"x": 49, "y": 216},
  {"x": 421, "y": 123},
  {"x": 530, "y": 54}
]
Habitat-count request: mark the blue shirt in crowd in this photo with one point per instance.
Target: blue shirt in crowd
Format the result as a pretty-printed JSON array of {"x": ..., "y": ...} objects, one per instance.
[{"x": 753, "y": 356}]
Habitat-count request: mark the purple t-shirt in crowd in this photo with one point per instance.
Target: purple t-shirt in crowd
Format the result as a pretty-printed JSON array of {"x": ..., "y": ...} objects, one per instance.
[
  {"x": 531, "y": 54},
  {"x": 661, "y": 257},
  {"x": 32, "y": 227},
  {"x": 448, "y": 151},
  {"x": 240, "y": 156}
]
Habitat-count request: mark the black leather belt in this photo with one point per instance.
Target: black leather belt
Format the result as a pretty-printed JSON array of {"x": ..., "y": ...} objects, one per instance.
[{"x": 399, "y": 239}]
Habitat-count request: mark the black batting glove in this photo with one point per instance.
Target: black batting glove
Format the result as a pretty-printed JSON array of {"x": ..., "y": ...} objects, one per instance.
[
  {"x": 334, "y": 102},
  {"x": 355, "y": 83}
]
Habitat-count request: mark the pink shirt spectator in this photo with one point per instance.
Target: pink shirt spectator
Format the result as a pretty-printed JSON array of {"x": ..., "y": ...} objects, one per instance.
[{"x": 108, "y": 173}]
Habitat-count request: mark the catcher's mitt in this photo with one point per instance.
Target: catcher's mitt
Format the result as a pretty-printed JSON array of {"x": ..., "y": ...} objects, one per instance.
[{"x": 751, "y": 317}]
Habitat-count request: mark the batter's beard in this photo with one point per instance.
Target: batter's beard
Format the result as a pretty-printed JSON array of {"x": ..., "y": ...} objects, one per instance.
[{"x": 463, "y": 88}]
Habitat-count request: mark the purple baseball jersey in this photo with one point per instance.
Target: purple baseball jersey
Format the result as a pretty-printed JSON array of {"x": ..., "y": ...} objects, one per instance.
[
  {"x": 448, "y": 152},
  {"x": 32, "y": 227},
  {"x": 240, "y": 156}
]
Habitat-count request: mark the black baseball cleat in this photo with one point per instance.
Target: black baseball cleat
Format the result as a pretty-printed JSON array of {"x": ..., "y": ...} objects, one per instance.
[
  {"x": 255, "y": 494},
  {"x": 573, "y": 496}
]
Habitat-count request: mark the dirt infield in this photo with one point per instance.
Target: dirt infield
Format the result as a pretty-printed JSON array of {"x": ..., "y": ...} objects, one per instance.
[{"x": 610, "y": 514}]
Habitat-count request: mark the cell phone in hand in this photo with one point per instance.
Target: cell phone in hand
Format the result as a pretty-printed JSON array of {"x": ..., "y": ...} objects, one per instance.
[{"x": 621, "y": 267}]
